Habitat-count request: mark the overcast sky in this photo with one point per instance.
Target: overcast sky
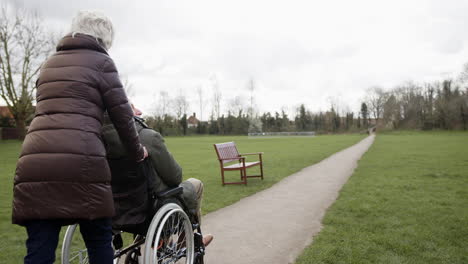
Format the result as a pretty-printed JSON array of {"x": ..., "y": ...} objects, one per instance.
[{"x": 295, "y": 51}]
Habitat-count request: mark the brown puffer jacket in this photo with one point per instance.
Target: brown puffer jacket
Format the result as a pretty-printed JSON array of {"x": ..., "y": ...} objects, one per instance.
[{"x": 62, "y": 172}]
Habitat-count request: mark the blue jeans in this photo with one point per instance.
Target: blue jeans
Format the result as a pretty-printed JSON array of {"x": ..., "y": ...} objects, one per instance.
[{"x": 43, "y": 238}]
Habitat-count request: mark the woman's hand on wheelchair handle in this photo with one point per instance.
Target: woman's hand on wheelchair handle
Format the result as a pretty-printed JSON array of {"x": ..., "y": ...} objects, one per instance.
[{"x": 145, "y": 155}]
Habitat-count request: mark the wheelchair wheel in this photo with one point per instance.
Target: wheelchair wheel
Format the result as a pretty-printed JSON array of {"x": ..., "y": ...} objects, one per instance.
[
  {"x": 170, "y": 237},
  {"x": 73, "y": 249}
]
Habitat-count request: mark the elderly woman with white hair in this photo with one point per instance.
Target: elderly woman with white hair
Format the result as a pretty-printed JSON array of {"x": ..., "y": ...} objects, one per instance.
[{"x": 62, "y": 175}]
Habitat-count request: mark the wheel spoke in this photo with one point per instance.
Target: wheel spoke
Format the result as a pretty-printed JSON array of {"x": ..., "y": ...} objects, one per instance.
[
  {"x": 81, "y": 255},
  {"x": 172, "y": 226},
  {"x": 86, "y": 260}
]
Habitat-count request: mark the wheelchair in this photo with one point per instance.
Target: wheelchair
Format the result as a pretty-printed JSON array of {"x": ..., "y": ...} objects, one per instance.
[{"x": 173, "y": 236}]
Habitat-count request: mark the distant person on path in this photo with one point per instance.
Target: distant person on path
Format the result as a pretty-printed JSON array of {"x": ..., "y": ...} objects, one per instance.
[
  {"x": 168, "y": 171},
  {"x": 62, "y": 175}
]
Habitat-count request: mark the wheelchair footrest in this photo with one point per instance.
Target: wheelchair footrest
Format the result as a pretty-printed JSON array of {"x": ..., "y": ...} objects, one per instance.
[{"x": 198, "y": 240}]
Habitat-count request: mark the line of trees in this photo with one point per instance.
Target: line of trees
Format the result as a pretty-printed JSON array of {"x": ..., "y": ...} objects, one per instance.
[
  {"x": 437, "y": 105},
  {"x": 242, "y": 122}
]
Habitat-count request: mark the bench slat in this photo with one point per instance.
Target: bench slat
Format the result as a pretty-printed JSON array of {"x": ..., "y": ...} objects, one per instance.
[{"x": 240, "y": 165}]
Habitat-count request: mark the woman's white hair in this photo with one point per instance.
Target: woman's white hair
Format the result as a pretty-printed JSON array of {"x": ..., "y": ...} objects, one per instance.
[{"x": 95, "y": 24}]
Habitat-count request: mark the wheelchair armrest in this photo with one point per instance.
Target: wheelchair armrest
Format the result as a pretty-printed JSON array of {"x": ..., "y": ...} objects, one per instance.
[{"x": 170, "y": 193}]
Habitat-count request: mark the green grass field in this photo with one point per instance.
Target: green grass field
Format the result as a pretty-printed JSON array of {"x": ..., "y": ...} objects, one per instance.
[
  {"x": 283, "y": 156},
  {"x": 407, "y": 202}
]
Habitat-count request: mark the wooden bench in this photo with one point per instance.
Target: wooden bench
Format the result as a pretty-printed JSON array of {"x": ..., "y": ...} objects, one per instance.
[{"x": 227, "y": 153}]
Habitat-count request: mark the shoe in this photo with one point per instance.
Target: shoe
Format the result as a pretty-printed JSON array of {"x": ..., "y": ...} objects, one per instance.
[{"x": 207, "y": 240}]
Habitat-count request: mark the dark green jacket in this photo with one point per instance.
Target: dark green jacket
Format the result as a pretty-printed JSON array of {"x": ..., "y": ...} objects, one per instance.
[{"x": 169, "y": 173}]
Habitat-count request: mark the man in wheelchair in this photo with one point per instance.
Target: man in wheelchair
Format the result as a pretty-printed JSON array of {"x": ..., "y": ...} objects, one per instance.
[{"x": 163, "y": 170}]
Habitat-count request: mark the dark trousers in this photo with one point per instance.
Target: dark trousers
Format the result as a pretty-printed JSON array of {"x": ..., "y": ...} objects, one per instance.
[{"x": 43, "y": 236}]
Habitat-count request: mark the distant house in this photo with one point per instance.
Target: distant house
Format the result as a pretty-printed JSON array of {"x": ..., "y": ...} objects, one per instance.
[
  {"x": 6, "y": 124},
  {"x": 192, "y": 121},
  {"x": 5, "y": 112}
]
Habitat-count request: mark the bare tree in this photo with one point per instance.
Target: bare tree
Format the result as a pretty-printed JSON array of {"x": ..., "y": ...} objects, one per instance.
[
  {"x": 127, "y": 85},
  {"x": 181, "y": 105},
  {"x": 236, "y": 105},
  {"x": 217, "y": 97},
  {"x": 24, "y": 45},
  {"x": 375, "y": 99},
  {"x": 163, "y": 104},
  {"x": 335, "y": 103},
  {"x": 463, "y": 77},
  {"x": 251, "y": 88},
  {"x": 365, "y": 115},
  {"x": 200, "y": 101}
]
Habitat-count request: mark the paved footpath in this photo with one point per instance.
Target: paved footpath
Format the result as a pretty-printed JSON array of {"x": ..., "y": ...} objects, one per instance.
[{"x": 276, "y": 224}]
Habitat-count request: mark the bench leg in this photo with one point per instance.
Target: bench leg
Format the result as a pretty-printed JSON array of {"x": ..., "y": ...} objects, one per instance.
[
  {"x": 222, "y": 175},
  {"x": 261, "y": 169},
  {"x": 245, "y": 175}
]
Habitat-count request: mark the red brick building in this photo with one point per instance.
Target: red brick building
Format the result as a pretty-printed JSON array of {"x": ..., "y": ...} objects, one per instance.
[
  {"x": 5, "y": 112},
  {"x": 192, "y": 121}
]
